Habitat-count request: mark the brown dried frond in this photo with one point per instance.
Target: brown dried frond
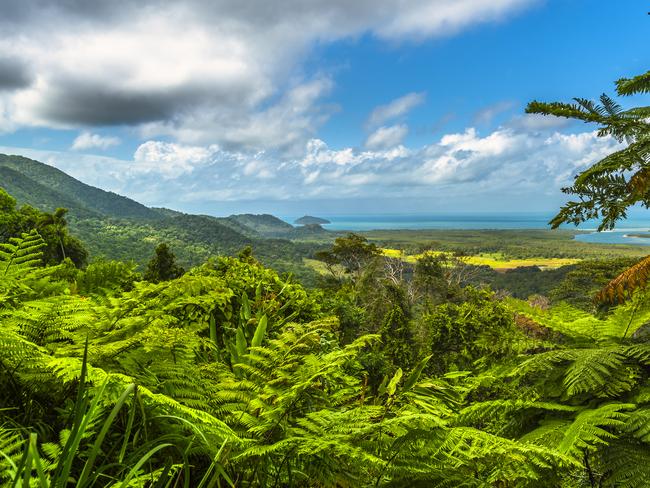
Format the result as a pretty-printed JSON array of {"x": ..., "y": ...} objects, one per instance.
[
  {"x": 640, "y": 182},
  {"x": 621, "y": 287}
]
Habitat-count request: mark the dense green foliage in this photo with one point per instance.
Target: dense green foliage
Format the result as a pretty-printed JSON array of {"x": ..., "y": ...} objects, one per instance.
[
  {"x": 576, "y": 284},
  {"x": 162, "y": 266},
  {"x": 586, "y": 279},
  {"x": 231, "y": 376},
  {"x": 52, "y": 227},
  {"x": 525, "y": 281}
]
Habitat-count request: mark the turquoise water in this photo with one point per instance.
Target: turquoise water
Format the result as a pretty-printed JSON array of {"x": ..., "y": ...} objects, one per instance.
[
  {"x": 616, "y": 237},
  {"x": 636, "y": 224},
  {"x": 352, "y": 222},
  {"x": 433, "y": 221}
]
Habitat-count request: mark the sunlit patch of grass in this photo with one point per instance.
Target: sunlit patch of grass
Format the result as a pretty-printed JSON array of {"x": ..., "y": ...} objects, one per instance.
[
  {"x": 392, "y": 253},
  {"x": 493, "y": 260},
  {"x": 544, "y": 263},
  {"x": 410, "y": 258}
]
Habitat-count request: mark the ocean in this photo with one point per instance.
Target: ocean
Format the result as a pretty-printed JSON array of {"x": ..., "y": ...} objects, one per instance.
[{"x": 638, "y": 223}]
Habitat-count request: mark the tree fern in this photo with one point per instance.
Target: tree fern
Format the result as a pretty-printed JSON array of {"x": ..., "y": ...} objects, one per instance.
[
  {"x": 21, "y": 253},
  {"x": 608, "y": 188},
  {"x": 623, "y": 286}
]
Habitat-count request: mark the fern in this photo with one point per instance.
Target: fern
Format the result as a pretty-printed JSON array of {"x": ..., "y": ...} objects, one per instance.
[
  {"x": 21, "y": 254},
  {"x": 590, "y": 428},
  {"x": 11, "y": 447},
  {"x": 624, "y": 285}
]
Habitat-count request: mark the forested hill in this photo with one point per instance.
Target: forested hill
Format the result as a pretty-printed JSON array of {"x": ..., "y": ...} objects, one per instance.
[
  {"x": 47, "y": 188},
  {"x": 116, "y": 227},
  {"x": 265, "y": 224}
]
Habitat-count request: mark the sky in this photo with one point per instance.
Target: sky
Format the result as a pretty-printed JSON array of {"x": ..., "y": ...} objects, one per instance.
[{"x": 314, "y": 106}]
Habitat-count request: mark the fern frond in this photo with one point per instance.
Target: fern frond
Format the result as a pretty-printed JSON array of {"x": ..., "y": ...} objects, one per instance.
[
  {"x": 20, "y": 254},
  {"x": 621, "y": 287},
  {"x": 593, "y": 427},
  {"x": 11, "y": 447},
  {"x": 598, "y": 371},
  {"x": 625, "y": 464}
]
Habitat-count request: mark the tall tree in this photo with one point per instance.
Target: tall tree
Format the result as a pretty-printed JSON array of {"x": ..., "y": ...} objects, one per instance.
[
  {"x": 58, "y": 223},
  {"x": 353, "y": 252},
  {"x": 162, "y": 266},
  {"x": 52, "y": 227},
  {"x": 7, "y": 202}
]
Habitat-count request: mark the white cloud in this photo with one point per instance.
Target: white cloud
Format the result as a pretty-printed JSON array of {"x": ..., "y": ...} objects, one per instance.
[
  {"x": 201, "y": 71},
  {"x": 396, "y": 108},
  {"x": 282, "y": 125},
  {"x": 426, "y": 18},
  {"x": 385, "y": 137},
  {"x": 258, "y": 168},
  {"x": 87, "y": 140},
  {"x": 459, "y": 165},
  {"x": 171, "y": 160},
  {"x": 504, "y": 165}
]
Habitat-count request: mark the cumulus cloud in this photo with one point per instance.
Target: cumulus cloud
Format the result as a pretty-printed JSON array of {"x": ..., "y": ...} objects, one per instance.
[
  {"x": 427, "y": 18},
  {"x": 87, "y": 140},
  {"x": 396, "y": 108},
  {"x": 503, "y": 161},
  {"x": 464, "y": 166},
  {"x": 200, "y": 71},
  {"x": 171, "y": 160},
  {"x": 385, "y": 137},
  {"x": 289, "y": 121}
]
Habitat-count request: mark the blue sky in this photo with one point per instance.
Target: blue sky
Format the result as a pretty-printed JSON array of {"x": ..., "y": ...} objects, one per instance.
[{"x": 319, "y": 106}]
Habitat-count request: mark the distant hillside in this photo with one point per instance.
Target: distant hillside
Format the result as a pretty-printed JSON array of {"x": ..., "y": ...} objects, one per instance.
[
  {"x": 264, "y": 224},
  {"x": 166, "y": 212},
  {"x": 26, "y": 190},
  {"x": 117, "y": 227},
  {"x": 309, "y": 231},
  {"x": 309, "y": 220},
  {"x": 64, "y": 190}
]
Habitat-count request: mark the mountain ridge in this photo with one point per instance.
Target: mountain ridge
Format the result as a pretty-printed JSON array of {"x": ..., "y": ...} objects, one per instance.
[
  {"x": 117, "y": 227},
  {"x": 90, "y": 197}
]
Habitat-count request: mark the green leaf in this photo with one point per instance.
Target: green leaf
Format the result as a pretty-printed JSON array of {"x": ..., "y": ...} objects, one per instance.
[
  {"x": 392, "y": 385},
  {"x": 245, "y": 311},
  {"x": 241, "y": 343},
  {"x": 213, "y": 330},
  {"x": 258, "y": 292},
  {"x": 260, "y": 332},
  {"x": 412, "y": 378}
]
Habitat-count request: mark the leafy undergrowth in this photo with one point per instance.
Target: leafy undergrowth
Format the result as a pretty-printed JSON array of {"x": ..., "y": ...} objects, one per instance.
[{"x": 233, "y": 376}]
